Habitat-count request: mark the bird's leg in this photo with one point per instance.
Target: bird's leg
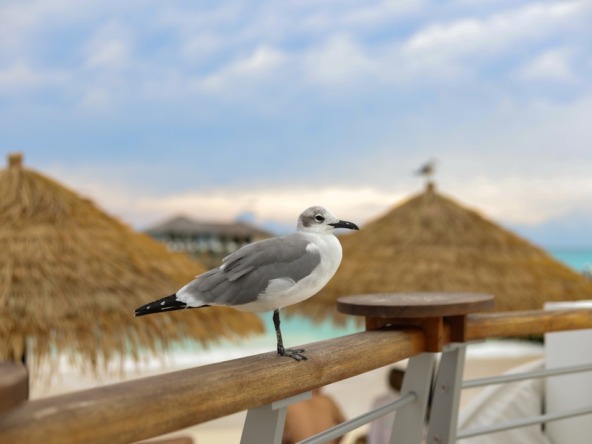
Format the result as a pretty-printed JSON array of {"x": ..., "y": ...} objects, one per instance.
[
  {"x": 292, "y": 353},
  {"x": 278, "y": 333}
]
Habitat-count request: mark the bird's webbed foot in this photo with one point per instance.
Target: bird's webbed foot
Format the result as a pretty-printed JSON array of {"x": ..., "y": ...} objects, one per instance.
[{"x": 294, "y": 353}]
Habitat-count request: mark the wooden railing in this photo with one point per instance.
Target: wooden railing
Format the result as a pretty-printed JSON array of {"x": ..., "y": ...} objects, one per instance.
[{"x": 148, "y": 407}]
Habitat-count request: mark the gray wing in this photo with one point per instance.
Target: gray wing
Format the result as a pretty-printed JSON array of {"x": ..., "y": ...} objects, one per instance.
[{"x": 247, "y": 272}]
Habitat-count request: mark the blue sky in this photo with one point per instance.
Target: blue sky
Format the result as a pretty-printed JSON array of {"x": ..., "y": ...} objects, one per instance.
[{"x": 217, "y": 109}]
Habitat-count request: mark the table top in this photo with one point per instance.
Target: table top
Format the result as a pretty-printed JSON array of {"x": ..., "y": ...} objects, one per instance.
[{"x": 414, "y": 305}]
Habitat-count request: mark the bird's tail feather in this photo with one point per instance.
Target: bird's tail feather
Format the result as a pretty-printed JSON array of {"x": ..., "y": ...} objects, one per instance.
[{"x": 168, "y": 303}]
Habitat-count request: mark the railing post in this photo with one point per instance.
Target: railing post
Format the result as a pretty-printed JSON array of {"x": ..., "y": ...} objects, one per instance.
[
  {"x": 265, "y": 424},
  {"x": 14, "y": 385},
  {"x": 409, "y": 423},
  {"x": 445, "y": 403}
]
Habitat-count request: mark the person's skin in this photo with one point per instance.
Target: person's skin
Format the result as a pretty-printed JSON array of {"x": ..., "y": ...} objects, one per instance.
[{"x": 307, "y": 418}]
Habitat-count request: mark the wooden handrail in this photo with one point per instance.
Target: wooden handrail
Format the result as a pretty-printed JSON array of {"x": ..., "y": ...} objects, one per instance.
[
  {"x": 147, "y": 407},
  {"x": 143, "y": 408},
  {"x": 525, "y": 323}
]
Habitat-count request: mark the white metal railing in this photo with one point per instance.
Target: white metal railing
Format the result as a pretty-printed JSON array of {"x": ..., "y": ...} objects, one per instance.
[
  {"x": 352, "y": 424},
  {"x": 531, "y": 420},
  {"x": 471, "y": 383},
  {"x": 266, "y": 423},
  {"x": 523, "y": 422}
]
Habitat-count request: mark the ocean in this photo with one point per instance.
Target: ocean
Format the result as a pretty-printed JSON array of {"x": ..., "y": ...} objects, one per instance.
[
  {"x": 577, "y": 258},
  {"x": 299, "y": 330}
]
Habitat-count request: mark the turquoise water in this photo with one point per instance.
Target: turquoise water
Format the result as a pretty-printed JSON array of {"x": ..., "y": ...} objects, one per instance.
[
  {"x": 299, "y": 330},
  {"x": 576, "y": 258}
]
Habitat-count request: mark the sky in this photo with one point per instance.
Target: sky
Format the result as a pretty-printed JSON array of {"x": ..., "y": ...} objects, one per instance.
[{"x": 257, "y": 110}]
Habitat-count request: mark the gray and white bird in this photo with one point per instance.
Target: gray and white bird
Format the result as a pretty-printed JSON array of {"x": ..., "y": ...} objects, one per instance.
[
  {"x": 268, "y": 274},
  {"x": 427, "y": 169}
]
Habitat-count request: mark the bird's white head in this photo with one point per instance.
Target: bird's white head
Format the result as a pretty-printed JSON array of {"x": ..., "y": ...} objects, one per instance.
[{"x": 320, "y": 220}]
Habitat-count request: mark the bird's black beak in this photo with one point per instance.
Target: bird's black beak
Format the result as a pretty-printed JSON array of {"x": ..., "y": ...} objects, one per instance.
[{"x": 345, "y": 224}]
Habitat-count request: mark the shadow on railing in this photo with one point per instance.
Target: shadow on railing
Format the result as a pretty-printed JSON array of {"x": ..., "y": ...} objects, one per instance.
[{"x": 152, "y": 406}]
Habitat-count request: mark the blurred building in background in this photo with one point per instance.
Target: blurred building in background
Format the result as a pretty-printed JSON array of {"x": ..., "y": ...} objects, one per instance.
[{"x": 207, "y": 241}]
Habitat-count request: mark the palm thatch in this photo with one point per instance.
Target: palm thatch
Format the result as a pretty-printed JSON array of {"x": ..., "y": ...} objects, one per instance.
[
  {"x": 71, "y": 276},
  {"x": 430, "y": 243}
]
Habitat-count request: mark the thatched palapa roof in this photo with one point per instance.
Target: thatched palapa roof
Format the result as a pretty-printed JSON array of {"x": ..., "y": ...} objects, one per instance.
[
  {"x": 431, "y": 243},
  {"x": 71, "y": 277}
]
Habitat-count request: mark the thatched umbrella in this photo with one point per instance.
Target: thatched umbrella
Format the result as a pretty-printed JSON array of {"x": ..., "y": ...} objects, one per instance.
[
  {"x": 71, "y": 277},
  {"x": 431, "y": 243}
]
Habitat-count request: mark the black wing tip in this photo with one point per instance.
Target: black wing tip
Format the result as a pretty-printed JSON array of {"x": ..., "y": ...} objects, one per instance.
[{"x": 164, "y": 304}]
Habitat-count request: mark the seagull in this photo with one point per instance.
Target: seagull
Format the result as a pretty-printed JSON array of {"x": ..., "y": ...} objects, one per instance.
[
  {"x": 427, "y": 169},
  {"x": 268, "y": 274}
]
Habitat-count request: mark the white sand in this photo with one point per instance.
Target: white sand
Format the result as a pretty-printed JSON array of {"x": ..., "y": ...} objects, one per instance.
[{"x": 354, "y": 395}]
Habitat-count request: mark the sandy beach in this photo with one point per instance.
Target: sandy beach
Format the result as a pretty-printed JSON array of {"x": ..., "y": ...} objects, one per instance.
[{"x": 354, "y": 395}]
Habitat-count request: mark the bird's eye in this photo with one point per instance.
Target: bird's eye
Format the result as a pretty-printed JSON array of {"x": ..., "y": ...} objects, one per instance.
[{"x": 319, "y": 218}]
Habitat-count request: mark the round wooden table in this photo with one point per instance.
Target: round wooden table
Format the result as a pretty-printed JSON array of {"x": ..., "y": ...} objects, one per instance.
[{"x": 434, "y": 313}]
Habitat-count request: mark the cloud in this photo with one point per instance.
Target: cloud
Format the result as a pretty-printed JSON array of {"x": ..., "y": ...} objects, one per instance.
[
  {"x": 382, "y": 12},
  {"x": 340, "y": 60},
  {"x": 110, "y": 54},
  {"x": 509, "y": 199},
  {"x": 110, "y": 47},
  {"x": 260, "y": 62},
  {"x": 234, "y": 53},
  {"x": 280, "y": 205},
  {"x": 527, "y": 201},
  {"x": 96, "y": 98},
  {"x": 553, "y": 65},
  {"x": 20, "y": 76},
  {"x": 258, "y": 66},
  {"x": 197, "y": 47},
  {"x": 197, "y": 20},
  {"x": 341, "y": 17},
  {"x": 22, "y": 21},
  {"x": 498, "y": 31},
  {"x": 531, "y": 205}
]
